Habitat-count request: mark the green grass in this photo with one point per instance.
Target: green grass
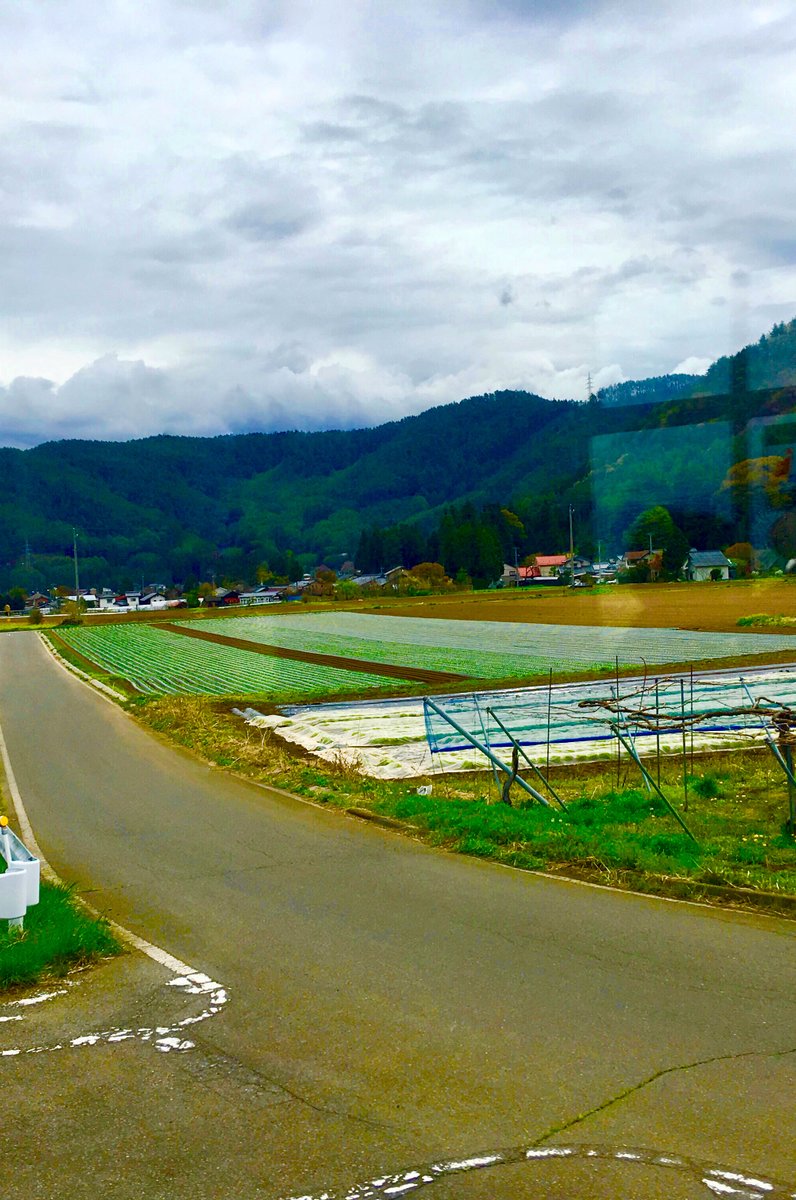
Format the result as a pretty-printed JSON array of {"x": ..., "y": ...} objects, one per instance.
[
  {"x": 57, "y": 937},
  {"x": 766, "y": 619},
  {"x": 609, "y": 833}
]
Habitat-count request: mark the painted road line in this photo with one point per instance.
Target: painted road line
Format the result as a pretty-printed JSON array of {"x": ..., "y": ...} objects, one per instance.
[
  {"x": 186, "y": 977},
  {"x": 719, "y": 1180},
  {"x": 165, "y": 1038}
]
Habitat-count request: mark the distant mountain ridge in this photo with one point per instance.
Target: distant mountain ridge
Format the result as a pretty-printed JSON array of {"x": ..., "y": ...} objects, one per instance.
[
  {"x": 768, "y": 363},
  {"x": 171, "y": 508},
  {"x": 649, "y": 391}
]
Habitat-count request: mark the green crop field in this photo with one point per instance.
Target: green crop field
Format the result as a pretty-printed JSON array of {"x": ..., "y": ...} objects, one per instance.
[
  {"x": 310, "y": 634},
  {"x": 157, "y": 662},
  {"x": 493, "y": 649}
]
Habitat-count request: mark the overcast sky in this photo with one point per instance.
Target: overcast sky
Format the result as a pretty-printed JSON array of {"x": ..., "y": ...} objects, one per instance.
[{"x": 264, "y": 215}]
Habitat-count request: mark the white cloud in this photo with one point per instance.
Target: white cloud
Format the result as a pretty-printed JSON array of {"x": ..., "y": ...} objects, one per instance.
[
  {"x": 270, "y": 215},
  {"x": 692, "y": 366}
]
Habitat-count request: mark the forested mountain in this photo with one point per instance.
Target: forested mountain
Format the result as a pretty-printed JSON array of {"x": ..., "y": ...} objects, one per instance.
[
  {"x": 649, "y": 391},
  {"x": 179, "y": 508},
  {"x": 169, "y": 508},
  {"x": 768, "y": 363},
  {"x": 720, "y": 466}
]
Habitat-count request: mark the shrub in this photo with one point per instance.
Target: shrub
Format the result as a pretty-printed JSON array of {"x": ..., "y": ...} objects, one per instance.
[
  {"x": 706, "y": 786},
  {"x": 73, "y": 611}
]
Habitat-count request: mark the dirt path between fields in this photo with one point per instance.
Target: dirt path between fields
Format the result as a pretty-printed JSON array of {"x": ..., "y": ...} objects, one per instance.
[{"x": 415, "y": 674}]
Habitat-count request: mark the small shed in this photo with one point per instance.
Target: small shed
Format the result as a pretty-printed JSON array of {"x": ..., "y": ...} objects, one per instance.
[{"x": 707, "y": 564}]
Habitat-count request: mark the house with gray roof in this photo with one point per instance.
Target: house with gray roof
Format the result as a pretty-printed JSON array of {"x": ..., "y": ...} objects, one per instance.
[{"x": 702, "y": 565}]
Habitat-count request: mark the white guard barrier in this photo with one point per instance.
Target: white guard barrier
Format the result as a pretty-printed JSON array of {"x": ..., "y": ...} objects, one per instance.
[{"x": 19, "y": 884}]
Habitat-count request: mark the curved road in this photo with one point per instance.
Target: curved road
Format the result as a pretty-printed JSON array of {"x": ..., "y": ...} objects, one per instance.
[{"x": 407, "y": 1006}]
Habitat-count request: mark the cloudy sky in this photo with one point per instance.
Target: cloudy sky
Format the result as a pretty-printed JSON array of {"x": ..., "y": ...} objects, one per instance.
[{"x": 266, "y": 215}]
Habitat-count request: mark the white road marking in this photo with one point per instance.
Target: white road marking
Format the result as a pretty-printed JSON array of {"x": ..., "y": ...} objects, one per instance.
[
  {"x": 26, "y": 829},
  {"x": 164, "y": 1038},
  {"x": 39, "y": 999},
  {"x": 191, "y": 981},
  {"x": 718, "y": 1180}
]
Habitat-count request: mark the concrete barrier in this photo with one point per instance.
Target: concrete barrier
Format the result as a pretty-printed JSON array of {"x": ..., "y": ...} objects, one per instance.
[{"x": 19, "y": 884}]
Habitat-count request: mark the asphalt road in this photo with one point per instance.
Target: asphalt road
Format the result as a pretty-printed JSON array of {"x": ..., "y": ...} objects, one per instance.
[{"x": 391, "y": 1007}]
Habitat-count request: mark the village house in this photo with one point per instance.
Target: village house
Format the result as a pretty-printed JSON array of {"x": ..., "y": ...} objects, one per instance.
[
  {"x": 369, "y": 580},
  {"x": 551, "y": 564},
  {"x": 637, "y": 558},
  {"x": 262, "y": 595},
  {"x": 152, "y": 601},
  {"x": 545, "y": 569},
  {"x": 706, "y": 564},
  {"x": 651, "y": 559},
  {"x": 222, "y": 597},
  {"x": 38, "y": 600}
]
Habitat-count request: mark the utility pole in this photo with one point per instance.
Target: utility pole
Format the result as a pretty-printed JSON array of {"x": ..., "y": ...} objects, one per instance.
[
  {"x": 77, "y": 574},
  {"x": 571, "y": 551}
]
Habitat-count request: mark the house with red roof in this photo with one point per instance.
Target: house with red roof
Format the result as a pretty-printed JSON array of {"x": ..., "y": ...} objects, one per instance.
[
  {"x": 551, "y": 564},
  {"x": 545, "y": 569}
]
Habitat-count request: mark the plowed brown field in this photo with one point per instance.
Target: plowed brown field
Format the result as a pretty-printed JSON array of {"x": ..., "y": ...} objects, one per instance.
[{"x": 700, "y": 606}]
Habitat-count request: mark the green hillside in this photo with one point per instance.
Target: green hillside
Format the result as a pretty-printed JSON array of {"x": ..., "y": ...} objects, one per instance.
[
  {"x": 176, "y": 508},
  {"x": 649, "y": 391},
  {"x": 171, "y": 507},
  {"x": 767, "y": 363}
]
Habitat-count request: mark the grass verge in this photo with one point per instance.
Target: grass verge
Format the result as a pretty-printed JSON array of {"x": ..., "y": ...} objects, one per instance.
[
  {"x": 613, "y": 832},
  {"x": 87, "y": 665},
  {"x": 766, "y": 620},
  {"x": 58, "y": 936}
]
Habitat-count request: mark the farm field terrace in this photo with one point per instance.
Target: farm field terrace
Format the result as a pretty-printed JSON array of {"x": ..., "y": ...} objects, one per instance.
[
  {"x": 394, "y": 641},
  {"x": 516, "y": 650},
  {"x": 157, "y": 662},
  {"x": 356, "y": 645},
  {"x": 395, "y": 738}
]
